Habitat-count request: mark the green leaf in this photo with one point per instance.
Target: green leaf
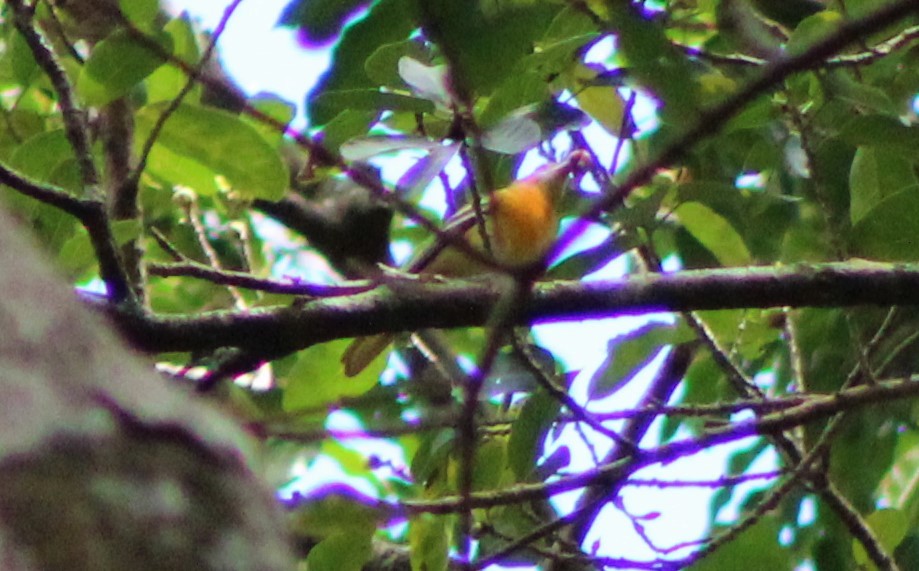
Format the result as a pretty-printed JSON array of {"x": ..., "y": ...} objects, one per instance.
[
  {"x": 427, "y": 81},
  {"x": 118, "y": 63},
  {"x": 812, "y": 29},
  {"x": 757, "y": 547},
  {"x": 336, "y": 510},
  {"x": 703, "y": 383},
  {"x": 890, "y": 230},
  {"x": 863, "y": 453},
  {"x": 77, "y": 255},
  {"x": 597, "y": 96},
  {"x": 528, "y": 433},
  {"x": 141, "y": 13},
  {"x": 41, "y": 155},
  {"x": 907, "y": 553},
  {"x": 382, "y": 66},
  {"x": 490, "y": 461},
  {"x": 486, "y": 40},
  {"x": 715, "y": 233},
  {"x": 570, "y": 23},
  {"x": 605, "y": 105},
  {"x": 519, "y": 91},
  {"x": 429, "y": 541},
  {"x": 346, "y": 125},
  {"x": 371, "y": 100},
  {"x": 755, "y": 115},
  {"x": 627, "y": 354},
  {"x": 889, "y": 527},
  {"x": 876, "y": 174},
  {"x": 315, "y": 380},
  {"x": 320, "y": 20},
  {"x": 167, "y": 81},
  {"x": 363, "y": 148},
  {"x": 198, "y": 143},
  {"x": 20, "y": 59},
  {"x": 432, "y": 455},
  {"x": 278, "y": 109},
  {"x": 842, "y": 87},
  {"x": 882, "y": 131},
  {"x": 46, "y": 157},
  {"x": 386, "y": 22},
  {"x": 340, "y": 552},
  {"x": 899, "y": 488},
  {"x": 656, "y": 62}
]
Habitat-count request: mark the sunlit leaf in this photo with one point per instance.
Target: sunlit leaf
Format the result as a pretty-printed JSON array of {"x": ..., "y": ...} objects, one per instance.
[
  {"x": 314, "y": 381},
  {"x": 278, "y": 109},
  {"x": 165, "y": 83},
  {"x": 715, "y": 233},
  {"x": 141, "y": 13},
  {"x": 118, "y": 63},
  {"x": 217, "y": 141}
]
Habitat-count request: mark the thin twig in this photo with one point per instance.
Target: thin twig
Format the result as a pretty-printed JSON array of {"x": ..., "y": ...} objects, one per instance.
[
  {"x": 73, "y": 116},
  {"x": 194, "y": 74},
  {"x": 292, "y": 286}
]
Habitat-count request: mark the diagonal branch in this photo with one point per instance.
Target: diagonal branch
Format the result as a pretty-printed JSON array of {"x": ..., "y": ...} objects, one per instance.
[
  {"x": 94, "y": 218},
  {"x": 74, "y": 121}
]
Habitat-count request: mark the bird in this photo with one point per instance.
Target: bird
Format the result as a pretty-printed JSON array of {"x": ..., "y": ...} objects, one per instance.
[{"x": 521, "y": 223}]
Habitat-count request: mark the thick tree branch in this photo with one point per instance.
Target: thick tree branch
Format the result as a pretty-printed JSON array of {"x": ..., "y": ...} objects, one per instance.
[{"x": 415, "y": 306}]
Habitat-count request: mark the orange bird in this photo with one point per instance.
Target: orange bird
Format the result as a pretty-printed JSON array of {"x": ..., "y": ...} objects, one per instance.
[{"x": 521, "y": 223}]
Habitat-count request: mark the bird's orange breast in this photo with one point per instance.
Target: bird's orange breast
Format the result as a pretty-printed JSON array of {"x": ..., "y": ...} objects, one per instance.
[{"x": 523, "y": 224}]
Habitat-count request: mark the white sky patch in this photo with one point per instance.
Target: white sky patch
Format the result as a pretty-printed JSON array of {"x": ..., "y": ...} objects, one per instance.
[{"x": 259, "y": 55}]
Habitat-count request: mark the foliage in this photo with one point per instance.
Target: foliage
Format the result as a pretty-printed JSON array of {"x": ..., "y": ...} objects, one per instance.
[{"x": 767, "y": 159}]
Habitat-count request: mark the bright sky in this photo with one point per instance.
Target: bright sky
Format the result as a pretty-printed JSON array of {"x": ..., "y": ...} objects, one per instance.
[{"x": 262, "y": 57}]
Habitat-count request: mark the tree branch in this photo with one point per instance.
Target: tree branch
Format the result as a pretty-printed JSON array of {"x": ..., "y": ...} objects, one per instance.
[
  {"x": 451, "y": 304},
  {"x": 811, "y": 411},
  {"x": 74, "y": 121},
  {"x": 94, "y": 218}
]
